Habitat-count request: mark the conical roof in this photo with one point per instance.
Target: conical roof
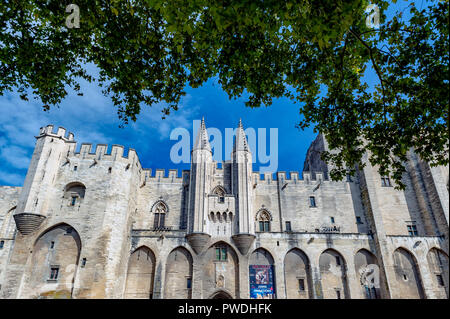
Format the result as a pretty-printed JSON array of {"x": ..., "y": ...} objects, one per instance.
[
  {"x": 240, "y": 144},
  {"x": 202, "y": 141}
]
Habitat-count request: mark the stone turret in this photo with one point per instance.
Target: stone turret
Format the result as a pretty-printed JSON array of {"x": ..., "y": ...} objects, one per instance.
[
  {"x": 199, "y": 185},
  {"x": 50, "y": 150},
  {"x": 241, "y": 158}
]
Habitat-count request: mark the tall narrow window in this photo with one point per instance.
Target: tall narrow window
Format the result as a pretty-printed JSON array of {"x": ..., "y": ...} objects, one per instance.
[
  {"x": 338, "y": 261},
  {"x": 52, "y": 245},
  {"x": 160, "y": 215},
  {"x": 301, "y": 284},
  {"x": 221, "y": 253},
  {"x": 83, "y": 262},
  {"x": 2, "y": 244},
  {"x": 332, "y": 219},
  {"x": 288, "y": 227},
  {"x": 75, "y": 168},
  {"x": 338, "y": 294},
  {"x": 312, "y": 201},
  {"x": 74, "y": 201},
  {"x": 54, "y": 272},
  {"x": 189, "y": 283},
  {"x": 440, "y": 280},
  {"x": 358, "y": 220}
]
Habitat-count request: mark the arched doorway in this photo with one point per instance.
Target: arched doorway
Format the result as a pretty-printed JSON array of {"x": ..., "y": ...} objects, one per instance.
[
  {"x": 407, "y": 276},
  {"x": 333, "y": 274},
  {"x": 178, "y": 282},
  {"x": 54, "y": 263},
  {"x": 140, "y": 275},
  {"x": 368, "y": 274},
  {"x": 220, "y": 270},
  {"x": 297, "y": 275},
  {"x": 262, "y": 275},
  {"x": 438, "y": 263},
  {"x": 221, "y": 295}
]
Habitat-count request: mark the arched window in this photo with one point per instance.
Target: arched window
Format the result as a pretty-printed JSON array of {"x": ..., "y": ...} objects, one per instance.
[
  {"x": 160, "y": 210},
  {"x": 74, "y": 193},
  {"x": 264, "y": 221},
  {"x": 220, "y": 192}
]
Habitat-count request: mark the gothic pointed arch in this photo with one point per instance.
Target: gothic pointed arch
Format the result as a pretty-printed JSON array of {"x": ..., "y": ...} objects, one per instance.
[
  {"x": 407, "y": 276},
  {"x": 219, "y": 190},
  {"x": 262, "y": 275},
  {"x": 221, "y": 294},
  {"x": 297, "y": 274},
  {"x": 178, "y": 280},
  {"x": 220, "y": 270},
  {"x": 160, "y": 210},
  {"x": 366, "y": 263},
  {"x": 140, "y": 274},
  {"x": 438, "y": 265},
  {"x": 333, "y": 274},
  {"x": 55, "y": 258},
  {"x": 263, "y": 220}
]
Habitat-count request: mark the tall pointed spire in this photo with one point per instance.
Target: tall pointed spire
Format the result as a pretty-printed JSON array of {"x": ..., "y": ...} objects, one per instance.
[
  {"x": 240, "y": 144},
  {"x": 202, "y": 142}
]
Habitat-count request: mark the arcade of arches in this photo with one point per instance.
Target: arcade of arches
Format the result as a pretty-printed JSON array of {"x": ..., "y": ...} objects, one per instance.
[{"x": 56, "y": 255}]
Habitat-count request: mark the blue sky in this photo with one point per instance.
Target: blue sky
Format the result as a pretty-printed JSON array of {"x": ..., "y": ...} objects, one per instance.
[{"x": 93, "y": 119}]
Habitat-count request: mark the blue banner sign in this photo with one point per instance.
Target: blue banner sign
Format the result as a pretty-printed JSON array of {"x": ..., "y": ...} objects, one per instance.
[{"x": 262, "y": 282}]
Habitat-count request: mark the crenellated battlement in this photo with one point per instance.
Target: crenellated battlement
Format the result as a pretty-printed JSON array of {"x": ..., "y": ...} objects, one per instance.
[
  {"x": 306, "y": 178},
  {"x": 116, "y": 152},
  {"x": 61, "y": 132}
]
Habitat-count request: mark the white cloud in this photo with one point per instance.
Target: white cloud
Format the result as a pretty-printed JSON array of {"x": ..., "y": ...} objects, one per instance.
[{"x": 91, "y": 117}]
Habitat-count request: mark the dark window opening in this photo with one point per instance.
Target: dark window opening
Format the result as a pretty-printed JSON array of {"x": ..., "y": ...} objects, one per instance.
[
  {"x": 440, "y": 280},
  {"x": 338, "y": 261},
  {"x": 75, "y": 168},
  {"x": 2, "y": 244},
  {"x": 52, "y": 245},
  {"x": 54, "y": 271},
  {"x": 221, "y": 254},
  {"x": 312, "y": 201},
  {"x": 221, "y": 199},
  {"x": 110, "y": 170},
  {"x": 358, "y": 220},
  {"x": 412, "y": 230},
  {"x": 74, "y": 200},
  {"x": 83, "y": 262},
  {"x": 338, "y": 294},
  {"x": 264, "y": 226},
  {"x": 189, "y": 283},
  {"x": 160, "y": 220},
  {"x": 301, "y": 284},
  {"x": 332, "y": 220},
  {"x": 288, "y": 227}
]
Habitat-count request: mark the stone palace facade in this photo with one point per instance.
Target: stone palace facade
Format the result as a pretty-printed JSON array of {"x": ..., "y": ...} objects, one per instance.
[{"x": 96, "y": 224}]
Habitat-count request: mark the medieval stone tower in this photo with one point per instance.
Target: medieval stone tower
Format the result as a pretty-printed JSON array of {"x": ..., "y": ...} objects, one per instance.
[{"x": 95, "y": 224}]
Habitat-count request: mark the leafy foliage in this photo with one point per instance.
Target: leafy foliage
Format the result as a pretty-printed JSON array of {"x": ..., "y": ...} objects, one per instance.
[{"x": 314, "y": 52}]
